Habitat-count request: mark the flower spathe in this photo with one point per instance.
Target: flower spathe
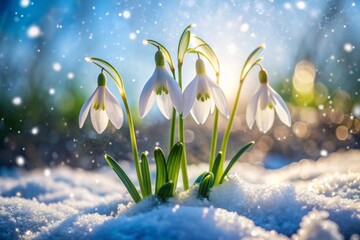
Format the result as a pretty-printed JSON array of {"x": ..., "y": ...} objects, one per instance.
[
  {"x": 202, "y": 95},
  {"x": 164, "y": 88},
  {"x": 103, "y": 106},
  {"x": 262, "y": 104}
]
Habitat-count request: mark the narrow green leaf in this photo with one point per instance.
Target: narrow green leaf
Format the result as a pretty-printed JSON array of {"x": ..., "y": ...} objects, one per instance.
[
  {"x": 166, "y": 191},
  {"x": 234, "y": 159},
  {"x": 215, "y": 168},
  {"x": 144, "y": 164},
  {"x": 249, "y": 63},
  {"x": 124, "y": 178},
  {"x": 200, "y": 46},
  {"x": 206, "y": 183},
  {"x": 165, "y": 52},
  {"x": 184, "y": 43},
  {"x": 199, "y": 178},
  {"x": 161, "y": 172},
  {"x": 174, "y": 161}
]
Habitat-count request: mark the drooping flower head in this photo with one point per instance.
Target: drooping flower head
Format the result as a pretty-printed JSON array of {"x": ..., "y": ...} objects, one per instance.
[
  {"x": 202, "y": 95},
  {"x": 262, "y": 104},
  {"x": 164, "y": 88},
  {"x": 104, "y": 106}
]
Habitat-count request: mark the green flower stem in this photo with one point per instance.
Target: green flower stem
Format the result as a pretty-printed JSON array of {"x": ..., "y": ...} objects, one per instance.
[
  {"x": 172, "y": 129},
  {"x": 173, "y": 123},
  {"x": 214, "y": 133},
  {"x": 227, "y": 132},
  {"x": 182, "y": 138},
  {"x": 120, "y": 85}
]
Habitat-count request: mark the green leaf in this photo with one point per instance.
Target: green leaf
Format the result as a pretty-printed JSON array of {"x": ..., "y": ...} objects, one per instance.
[
  {"x": 124, "y": 178},
  {"x": 174, "y": 161},
  {"x": 199, "y": 178},
  {"x": 165, "y": 52},
  {"x": 161, "y": 172},
  {"x": 234, "y": 159},
  {"x": 215, "y": 168},
  {"x": 166, "y": 191},
  {"x": 206, "y": 183},
  {"x": 184, "y": 43},
  {"x": 249, "y": 63},
  {"x": 201, "y": 47},
  {"x": 144, "y": 165}
]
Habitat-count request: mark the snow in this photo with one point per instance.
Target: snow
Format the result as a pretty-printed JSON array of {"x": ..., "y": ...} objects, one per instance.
[{"x": 305, "y": 200}]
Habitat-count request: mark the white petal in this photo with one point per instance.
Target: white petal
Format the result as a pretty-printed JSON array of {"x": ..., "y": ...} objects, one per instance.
[
  {"x": 164, "y": 104},
  {"x": 189, "y": 96},
  {"x": 200, "y": 111},
  {"x": 251, "y": 108},
  {"x": 99, "y": 119},
  {"x": 86, "y": 107},
  {"x": 175, "y": 92},
  {"x": 147, "y": 96},
  {"x": 281, "y": 108},
  {"x": 212, "y": 106},
  {"x": 264, "y": 118},
  {"x": 264, "y": 96},
  {"x": 219, "y": 98},
  {"x": 113, "y": 109}
]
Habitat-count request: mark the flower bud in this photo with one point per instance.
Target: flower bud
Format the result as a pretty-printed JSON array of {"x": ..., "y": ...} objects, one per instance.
[
  {"x": 101, "y": 79},
  {"x": 200, "y": 66},
  {"x": 159, "y": 58},
  {"x": 263, "y": 76}
]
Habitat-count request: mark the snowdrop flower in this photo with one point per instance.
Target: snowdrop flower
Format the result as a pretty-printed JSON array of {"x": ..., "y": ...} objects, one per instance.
[
  {"x": 201, "y": 96},
  {"x": 104, "y": 106},
  {"x": 262, "y": 104},
  {"x": 162, "y": 86}
]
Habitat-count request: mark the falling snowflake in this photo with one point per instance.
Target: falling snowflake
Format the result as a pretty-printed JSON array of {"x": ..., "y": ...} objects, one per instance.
[
  {"x": 301, "y": 5},
  {"x": 348, "y": 47},
  {"x": 16, "y": 101},
  {"x": 126, "y": 14},
  {"x": 52, "y": 91},
  {"x": 34, "y": 130},
  {"x": 20, "y": 161},
  {"x": 33, "y": 31},
  {"x": 56, "y": 66},
  {"x": 24, "y": 3},
  {"x": 70, "y": 75}
]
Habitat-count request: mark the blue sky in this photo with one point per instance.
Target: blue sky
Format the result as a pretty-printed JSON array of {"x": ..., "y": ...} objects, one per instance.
[{"x": 52, "y": 38}]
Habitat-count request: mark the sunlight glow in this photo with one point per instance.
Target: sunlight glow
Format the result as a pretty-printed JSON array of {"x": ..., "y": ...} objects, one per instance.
[{"x": 304, "y": 77}]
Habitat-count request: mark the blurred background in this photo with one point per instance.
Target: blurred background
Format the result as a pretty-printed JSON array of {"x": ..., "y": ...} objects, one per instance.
[{"x": 312, "y": 55}]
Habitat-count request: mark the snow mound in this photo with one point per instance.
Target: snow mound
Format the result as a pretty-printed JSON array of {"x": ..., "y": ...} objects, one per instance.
[{"x": 306, "y": 200}]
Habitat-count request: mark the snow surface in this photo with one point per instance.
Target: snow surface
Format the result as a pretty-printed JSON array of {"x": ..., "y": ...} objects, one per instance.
[{"x": 305, "y": 200}]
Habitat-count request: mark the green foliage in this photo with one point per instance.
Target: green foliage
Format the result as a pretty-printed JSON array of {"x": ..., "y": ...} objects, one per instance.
[
  {"x": 201, "y": 47},
  {"x": 165, "y": 52},
  {"x": 216, "y": 166},
  {"x": 199, "y": 178},
  {"x": 174, "y": 161},
  {"x": 144, "y": 165},
  {"x": 234, "y": 159},
  {"x": 161, "y": 171},
  {"x": 184, "y": 44},
  {"x": 207, "y": 181},
  {"x": 166, "y": 191},
  {"x": 124, "y": 178},
  {"x": 251, "y": 61},
  {"x": 166, "y": 173}
]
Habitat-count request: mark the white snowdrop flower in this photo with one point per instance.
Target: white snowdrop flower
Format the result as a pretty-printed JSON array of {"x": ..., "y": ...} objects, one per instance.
[
  {"x": 262, "y": 104},
  {"x": 202, "y": 95},
  {"x": 104, "y": 106},
  {"x": 162, "y": 86}
]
